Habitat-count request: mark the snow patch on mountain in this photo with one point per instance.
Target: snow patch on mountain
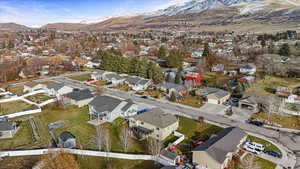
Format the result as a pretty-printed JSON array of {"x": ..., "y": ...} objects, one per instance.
[{"x": 252, "y": 8}]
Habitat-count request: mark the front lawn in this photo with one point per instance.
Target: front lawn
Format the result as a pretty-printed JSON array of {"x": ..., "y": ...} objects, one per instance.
[
  {"x": 194, "y": 131},
  {"x": 100, "y": 83},
  {"x": 15, "y": 107},
  {"x": 192, "y": 101},
  {"x": 286, "y": 121},
  {"x": 22, "y": 139},
  {"x": 81, "y": 78},
  {"x": 267, "y": 144},
  {"x": 155, "y": 93},
  {"x": 125, "y": 88}
]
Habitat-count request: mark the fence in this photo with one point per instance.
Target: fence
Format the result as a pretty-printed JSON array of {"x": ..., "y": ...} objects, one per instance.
[
  {"x": 22, "y": 113},
  {"x": 47, "y": 102}
]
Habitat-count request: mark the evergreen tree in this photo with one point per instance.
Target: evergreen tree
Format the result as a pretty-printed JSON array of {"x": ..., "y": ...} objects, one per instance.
[
  {"x": 285, "y": 50},
  {"x": 169, "y": 77},
  {"x": 174, "y": 59},
  {"x": 162, "y": 52},
  {"x": 178, "y": 77},
  {"x": 206, "y": 50},
  {"x": 263, "y": 43},
  {"x": 173, "y": 97}
]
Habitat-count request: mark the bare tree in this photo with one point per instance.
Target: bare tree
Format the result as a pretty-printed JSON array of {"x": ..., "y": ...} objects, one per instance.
[
  {"x": 99, "y": 137},
  {"x": 107, "y": 141},
  {"x": 124, "y": 138},
  {"x": 250, "y": 163},
  {"x": 154, "y": 146}
]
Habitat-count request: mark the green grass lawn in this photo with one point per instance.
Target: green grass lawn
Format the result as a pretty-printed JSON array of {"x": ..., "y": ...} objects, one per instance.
[
  {"x": 194, "y": 130},
  {"x": 15, "y": 107},
  {"x": 267, "y": 144},
  {"x": 286, "y": 121},
  {"x": 22, "y": 139},
  {"x": 88, "y": 162},
  {"x": 81, "y": 77},
  {"x": 16, "y": 90}
]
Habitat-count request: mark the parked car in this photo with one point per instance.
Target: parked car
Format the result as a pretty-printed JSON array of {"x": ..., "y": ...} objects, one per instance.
[
  {"x": 257, "y": 146},
  {"x": 273, "y": 153},
  {"x": 255, "y": 122},
  {"x": 144, "y": 97},
  {"x": 251, "y": 149}
]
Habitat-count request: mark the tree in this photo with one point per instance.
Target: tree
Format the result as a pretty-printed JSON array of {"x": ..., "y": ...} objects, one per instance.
[
  {"x": 178, "y": 77},
  {"x": 263, "y": 43},
  {"x": 58, "y": 160},
  {"x": 124, "y": 138},
  {"x": 169, "y": 77},
  {"x": 285, "y": 50},
  {"x": 206, "y": 50},
  {"x": 173, "y": 97},
  {"x": 250, "y": 163},
  {"x": 154, "y": 146},
  {"x": 99, "y": 137},
  {"x": 174, "y": 59},
  {"x": 162, "y": 52}
]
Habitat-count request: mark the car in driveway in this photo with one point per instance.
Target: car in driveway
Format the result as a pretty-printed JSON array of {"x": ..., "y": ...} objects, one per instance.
[
  {"x": 257, "y": 146},
  {"x": 273, "y": 153},
  {"x": 251, "y": 149},
  {"x": 144, "y": 97}
]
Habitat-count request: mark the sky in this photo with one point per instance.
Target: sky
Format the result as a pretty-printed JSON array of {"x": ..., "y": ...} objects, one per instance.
[{"x": 35, "y": 13}]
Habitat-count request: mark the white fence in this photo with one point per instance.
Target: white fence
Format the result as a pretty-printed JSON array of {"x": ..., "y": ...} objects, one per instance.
[
  {"x": 180, "y": 139},
  {"x": 22, "y": 113},
  {"x": 77, "y": 152},
  {"x": 47, "y": 102}
]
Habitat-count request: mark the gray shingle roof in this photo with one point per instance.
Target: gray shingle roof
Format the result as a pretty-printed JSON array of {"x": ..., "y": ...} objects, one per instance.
[
  {"x": 66, "y": 135},
  {"x": 224, "y": 142},
  {"x": 157, "y": 118},
  {"x": 80, "y": 94},
  {"x": 104, "y": 103},
  {"x": 213, "y": 91},
  {"x": 128, "y": 105},
  {"x": 170, "y": 86},
  {"x": 7, "y": 125},
  {"x": 55, "y": 86}
]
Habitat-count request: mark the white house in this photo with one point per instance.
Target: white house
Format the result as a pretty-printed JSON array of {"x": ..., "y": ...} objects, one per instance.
[
  {"x": 57, "y": 89},
  {"x": 33, "y": 86},
  {"x": 113, "y": 78},
  {"x": 137, "y": 83},
  {"x": 249, "y": 68},
  {"x": 93, "y": 64}
]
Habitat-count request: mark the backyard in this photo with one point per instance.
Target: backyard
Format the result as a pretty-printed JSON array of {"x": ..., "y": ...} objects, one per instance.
[
  {"x": 39, "y": 98},
  {"x": 272, "y": 82},
  {"x": 286, "y": 121},
  {"x": 15, "y": 107},
  {"x": 81, "y": 78},
  {"x": 22, "y": 139},
  {"x": 16, "y": 90}
]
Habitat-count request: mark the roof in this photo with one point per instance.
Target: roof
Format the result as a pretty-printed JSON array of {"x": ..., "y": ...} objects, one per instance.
[
  {"x": 66, "y": 136},
  {"x": 248, "y": 66},
  {"x": 55, "y": 86},
  {"x": 7, "y": 125},
  {"x": 128, "y": 105},
  {"x": 213, "y": 91},
  {"x": 80, "y": 94},
  {"x": 222, "y": 143},
  {"x": 136, "y": 80},
  {"x": 169, "y": 155},
  {"x": 157, "y": 118},
  {"x": 105, "y": 103},
  {"x": 31, "y": 84},
  {"x": 170, "y": 86},
  {"x": 113, "y": 76}
]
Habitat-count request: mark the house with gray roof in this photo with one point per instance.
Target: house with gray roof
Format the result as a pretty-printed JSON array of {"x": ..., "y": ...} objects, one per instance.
[
  {"x": 213, "y": 95},
  {"x": 7, "y": 129},
  {"x": 153, "y": 123},
  {"x": 78, "y": 97},
  {"x": 249, "y": 68},
  {"x": 113, "y": 78},
  {"x": 217, "y": 152},
  {"x": 137, "y": 83},
  {"x": 106, "y": 108},
  {"x": 169, "y": 88},
  {"x": 57, "y": 89}
]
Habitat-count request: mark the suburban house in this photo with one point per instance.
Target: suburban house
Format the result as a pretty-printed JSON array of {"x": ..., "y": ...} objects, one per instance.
[
  {"x": 192, "y": 79},
  {"x": 96, "y": 76},
  {"x": 249, "y": 68},
  {"x": 113, "y": 78},
  {"x": 196, "y": 55},
  {"x": 66, "y": 140},
  {"x": 57, "y": 89},
  {"x": 7, "y": 129},
  {"x": 93, "y": 64},
  {"x": 217, "y": 152},
  {"x": 137, "y": 83},
  {"x": 78, "y": 97},
  {"x": 213, "y": 95},
  {"x": 105, "y": 108},
  {"x": 153, "y": 123},
  {"x": 217, "y": 68},
  {"x": 172, "y": 157},
  {"x": 32, "y": 86},
  {"x": 169, "y": 88},
  {"x": 284, "y": 91}
]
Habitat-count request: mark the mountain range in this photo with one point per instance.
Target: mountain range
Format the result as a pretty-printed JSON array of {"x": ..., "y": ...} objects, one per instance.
[{"x": 199, "y": 15}]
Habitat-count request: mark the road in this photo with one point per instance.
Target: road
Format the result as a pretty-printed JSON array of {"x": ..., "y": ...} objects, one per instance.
[{"x": 288, "y": 141}]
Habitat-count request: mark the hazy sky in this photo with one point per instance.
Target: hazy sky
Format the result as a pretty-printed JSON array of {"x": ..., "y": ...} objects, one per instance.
[{"x": 39, "y": 12}]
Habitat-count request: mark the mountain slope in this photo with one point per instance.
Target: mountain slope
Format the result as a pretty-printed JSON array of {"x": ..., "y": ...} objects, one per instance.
[{"x": 12, "y": 27}]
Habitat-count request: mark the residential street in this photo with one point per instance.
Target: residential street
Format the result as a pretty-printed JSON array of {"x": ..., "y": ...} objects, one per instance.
[{"x": 286, "y": 139}]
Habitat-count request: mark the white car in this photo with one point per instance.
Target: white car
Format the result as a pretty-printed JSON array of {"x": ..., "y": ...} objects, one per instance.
[{"x": 251, "y": 149}]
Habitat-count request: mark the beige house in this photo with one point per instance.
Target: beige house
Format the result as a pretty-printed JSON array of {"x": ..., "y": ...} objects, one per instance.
[
  {"x": 213, "y": 95},
  {"x": 154, "y": 123},
  {"x": 78, "y": 97},
  {"x": 217, "y": 152}
]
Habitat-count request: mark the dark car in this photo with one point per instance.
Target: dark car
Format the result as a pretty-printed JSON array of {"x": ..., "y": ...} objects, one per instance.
[
  {"x": 273, "y": 153},
  {"x": 144, "y": 97},
  {"x": 255, "y": 122}
]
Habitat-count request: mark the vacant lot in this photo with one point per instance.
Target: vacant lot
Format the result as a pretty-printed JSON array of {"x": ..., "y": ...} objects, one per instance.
[
  {"x": 192, "y": 101},
  {"x": 100, "y": 83},
  {"x": 125, "y": 88},
  {"x": 81, "y": 77},
  {"x": 272, "y": 82},
  {"x": 15, "y": 107},
  {"x": 22, "y": 139},
  {"x": 286, "y": 121}
]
